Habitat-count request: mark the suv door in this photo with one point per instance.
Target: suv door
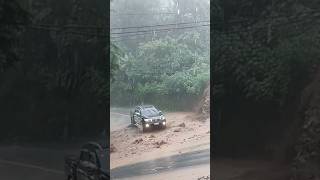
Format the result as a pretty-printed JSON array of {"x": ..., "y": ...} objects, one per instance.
[
  {"x": 87, "y": 169},
  {"x": 92, "y": 166},
  {"x": 84, "y": 160}
]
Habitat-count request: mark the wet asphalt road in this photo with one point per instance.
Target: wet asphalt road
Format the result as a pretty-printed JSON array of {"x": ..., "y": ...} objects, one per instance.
[
  {"x": 30, "y": 163},
  {"x": 17, "y": 172},
  {"x": 250, "y": 169},
  {"x": 160, "y": 165}
]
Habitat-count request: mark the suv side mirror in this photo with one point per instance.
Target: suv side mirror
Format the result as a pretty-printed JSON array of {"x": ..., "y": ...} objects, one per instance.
[{"x": 160, "y": 112}]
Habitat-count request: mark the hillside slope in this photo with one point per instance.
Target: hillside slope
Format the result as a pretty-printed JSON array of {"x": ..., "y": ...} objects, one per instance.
[
  {"x": 203, "y": 107},
  {"x": 307, "y": 159}
]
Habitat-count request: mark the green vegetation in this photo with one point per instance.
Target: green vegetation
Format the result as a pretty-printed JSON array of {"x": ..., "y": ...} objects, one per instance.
[
  {"x": 11, "y": 15},
  {"x": 54, "y": 79},
  {"x": 264, "y": 56},
  {"x": 56, "y": 86},
  {"x": 168, "y": 70},
  {"x": 264, "y": 74}
]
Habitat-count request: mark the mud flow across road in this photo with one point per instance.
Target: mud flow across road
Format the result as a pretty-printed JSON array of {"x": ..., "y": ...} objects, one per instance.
[{"x": 166, "y": 151}]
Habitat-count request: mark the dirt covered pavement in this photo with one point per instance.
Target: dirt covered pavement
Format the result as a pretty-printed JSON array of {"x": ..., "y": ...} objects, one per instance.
[{"x": 185, "y": 132}]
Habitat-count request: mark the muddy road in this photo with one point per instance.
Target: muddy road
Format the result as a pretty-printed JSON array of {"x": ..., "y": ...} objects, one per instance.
[
  {"x": 161, "y": 151},
  {"x": 137, "y": 155}
]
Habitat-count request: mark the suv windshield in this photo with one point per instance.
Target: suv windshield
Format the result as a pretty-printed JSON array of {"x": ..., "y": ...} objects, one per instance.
[{"x": 150, "y": 112}]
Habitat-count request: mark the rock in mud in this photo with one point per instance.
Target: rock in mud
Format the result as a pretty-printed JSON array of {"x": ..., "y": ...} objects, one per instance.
[
  {"x": 159, "y": 143},
  {"x": 112, "y": 148},
  {"x": 204, "y": 178},
  {"x": 182, "y": 125},
  {"x": 137, "y": 141},
  {"x": 177, "y": 130},
  {"x": 152, "y": 136}
]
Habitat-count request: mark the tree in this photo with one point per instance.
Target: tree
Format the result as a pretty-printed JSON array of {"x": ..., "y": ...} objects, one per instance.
[
  {"x": 173, "y": 69},
  {"x": 12, "y": 19},
  {"x": 54, "y": 85}
]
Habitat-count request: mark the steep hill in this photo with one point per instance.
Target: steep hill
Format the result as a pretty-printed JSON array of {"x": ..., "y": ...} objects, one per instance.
[
  {"x": 307, "y": 158},
  {"x": 203, "y": 107}
]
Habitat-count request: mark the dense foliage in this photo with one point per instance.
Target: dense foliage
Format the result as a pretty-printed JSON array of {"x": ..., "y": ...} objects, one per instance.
[
  {"x": 262, "y": 73},
  {"x": 164, "y": 68},
  {"x": 12, "y": 16},
  {"x": 260, "y": 67},
  {"x": 57, "y": 88},
  {"x": 169, "y": 70}
]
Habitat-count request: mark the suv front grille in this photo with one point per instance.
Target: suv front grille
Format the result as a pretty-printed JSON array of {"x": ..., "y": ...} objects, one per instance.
[{"x": 155, "y": 120}]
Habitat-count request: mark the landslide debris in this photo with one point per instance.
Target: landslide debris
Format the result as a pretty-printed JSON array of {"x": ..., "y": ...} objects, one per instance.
[
  {"x": 204, "y": 178},
  {"x": 137, "y": 141},
  {"x": 182, "y": 125},
  {"x": 158, "y": 144},
  {"x": 203, "y": 108},
  {"x": 307, "y": 159},
  {"x": 112, "y": 148}
]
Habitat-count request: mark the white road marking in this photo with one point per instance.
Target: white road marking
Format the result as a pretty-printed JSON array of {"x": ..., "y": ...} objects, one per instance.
[
  {"x": 31, "y": 166},
  {"x": 120, "y": 114}
]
